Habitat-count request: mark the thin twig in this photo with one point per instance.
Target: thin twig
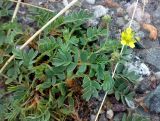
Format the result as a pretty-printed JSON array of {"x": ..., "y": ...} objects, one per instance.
[
  {"x": 14, "y": 14},
  {"x": 27, "y": 4},
  {"x": 38, "y": 32},
  {"x": 16, "y": 10},
  {"x": 102, "y": 103}
]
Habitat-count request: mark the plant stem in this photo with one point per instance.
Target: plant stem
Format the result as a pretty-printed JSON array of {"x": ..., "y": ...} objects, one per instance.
[{"x": 27, "y": 4}]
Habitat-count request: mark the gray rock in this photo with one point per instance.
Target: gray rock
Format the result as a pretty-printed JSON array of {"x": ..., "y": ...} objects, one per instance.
[
  {"x": 138, "y": 67},
  {"x": 102, "y": 117},
  {"x": 100, "y": 11},
  {"x": 152, "y": 101},
  {"x": 157, "y": 75},
  {"x": 156, "y": 19},
  {"x": 92, "y": 117},
  {"x": 143, "y": 86},
  {"x": 140, "y": 16},
  {"x": 147, "y": 43},
  {"x": 110, "y": 114},
  {"x": 151, "y": 56},
  {"x": 135, "y": 25},
  {"x": 120, "y": 21},
  {"x": 140, "y": 34},
  {"x": 91, "y": 1},
  {"x": 155, "y": 117}
]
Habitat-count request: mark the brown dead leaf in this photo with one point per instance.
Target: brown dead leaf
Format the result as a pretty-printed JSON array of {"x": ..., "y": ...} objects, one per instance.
[
  {"x": 70, "y": 83},
  {"x": 111, "y": 4},
  {"x": 152, "y": 30}
]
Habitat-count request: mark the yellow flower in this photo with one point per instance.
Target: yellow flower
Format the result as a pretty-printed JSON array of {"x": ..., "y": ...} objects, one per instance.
[{"x": 127, "y": 37}]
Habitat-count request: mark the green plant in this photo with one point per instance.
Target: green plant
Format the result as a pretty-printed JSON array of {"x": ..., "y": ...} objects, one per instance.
[{"x": 68, "y": 60}]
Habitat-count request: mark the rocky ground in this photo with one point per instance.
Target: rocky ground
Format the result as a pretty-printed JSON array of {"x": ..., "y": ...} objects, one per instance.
[{"x": 145, "y": 58}]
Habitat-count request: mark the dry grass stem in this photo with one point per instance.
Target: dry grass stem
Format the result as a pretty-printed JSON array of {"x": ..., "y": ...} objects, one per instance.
[{"x": 27, "y": 4}]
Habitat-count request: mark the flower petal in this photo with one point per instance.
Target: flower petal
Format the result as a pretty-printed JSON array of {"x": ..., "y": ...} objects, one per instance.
[
  {"x": 131, "y": 44},
  {"x": 123, "y": 42}
]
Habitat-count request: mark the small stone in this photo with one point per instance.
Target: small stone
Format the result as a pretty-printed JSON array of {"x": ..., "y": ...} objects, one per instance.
[
  {"x": 144, "y": 70},
  {"x": 157, "y": 74},
  {"x": 140, "y": 16},
  {"x": 102, "y": 117},
  {"x": 118, "y": 107},
  {"x": 91, "y": 1},
  {"x": 110, "y": 114},
  {"x": 152, "y": 100},
  {"x": 143, "y": 86},
  {"x": 138, "y": 67},
  {"x": 135, "y": 26},
  {"x": 65, "y": 2},
  {"x": 92, "y": 117},
  {"x": 151, "y": 56},
  {"x": 120, "y": 21},
  {"x": 92, "y": 22},
  {"x": 140, "y": 34},
  {"x": 120, "y": 11},
  {"x": 99, "y": 11},
  {"x": 155, "y": 104},
  {"x": 155, "y": 117}
]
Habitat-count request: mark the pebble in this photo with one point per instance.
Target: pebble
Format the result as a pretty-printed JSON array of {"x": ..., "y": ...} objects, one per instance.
[
  {"x": 120, "y": 21},
  {"x": 152, "y": 100},
  {"x": 100, "y": 11},
  {"x": 157, "y": 74},
  {"x": 143, "y": 86},
  {"x": 120, "y": 11},
  {"x": 65, "y": 2},
  {"x": 91, "y": 1},
  {"x": 92, "y": 117},
  {"x": 151, "y": 56},
  {"x": 140, "y": 16},
  {"x": 135, "y": 25},
  {"x": 138, "y": 67},
  {"x": 110, "y": 114},
  {"x": 102, "y": 117}
]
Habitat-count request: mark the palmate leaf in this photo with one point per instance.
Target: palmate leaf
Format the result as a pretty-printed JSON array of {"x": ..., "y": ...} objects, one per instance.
[
  {"x": 62, "y": 59},
  {"x": 90, "y": 88},
  {"x": 93, "y": 33},
  {"x": 108, "y": 82},
  {"x": 78, "y": 17},
  {"x": 26, "y": 57},
  {"x": 47, "y": 44}
]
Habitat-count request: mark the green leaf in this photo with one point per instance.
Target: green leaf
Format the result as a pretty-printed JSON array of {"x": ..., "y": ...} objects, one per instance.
[
  {"x": 46, "y": 84},
  {"x": 94, "y": 33},
  {"x": 100, "y": 72},
  {"x": 26, "y": 57},
  {"x": 47, "y": 45},
  {"x": 90, "y": 88},
  {"x": 84, "y": 56},
  {"x": 108, "y": 82},
  {"x": 77, "y": 17},
  {"x": 82, "y": 69},
  {"x": 62, "y": 88},
  {"x": 132, "y": 76},
  {"x": 60, "y": 101},
  {"x": 62, "y": 59}
]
